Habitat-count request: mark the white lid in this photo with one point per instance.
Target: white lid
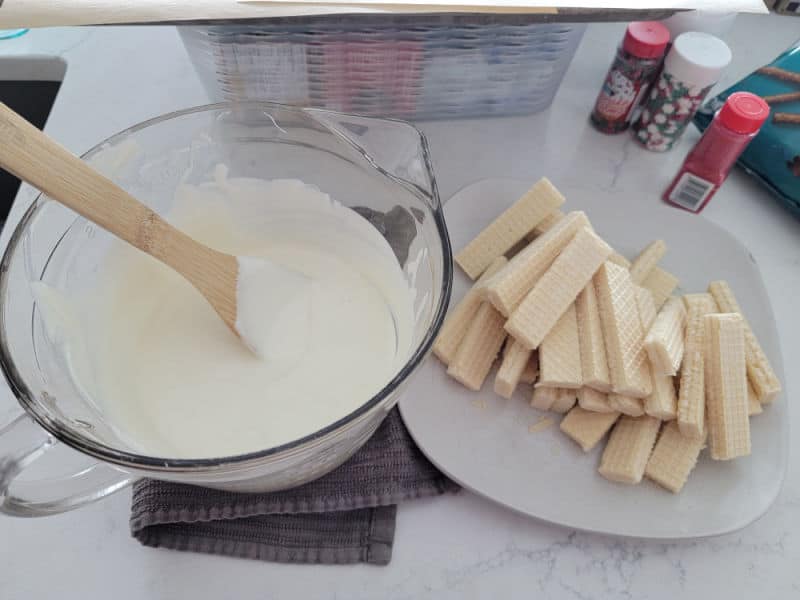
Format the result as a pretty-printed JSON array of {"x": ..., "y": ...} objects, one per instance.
[
  {"x": 697, "y": 58},
  {"x": 709, "y": 21}
]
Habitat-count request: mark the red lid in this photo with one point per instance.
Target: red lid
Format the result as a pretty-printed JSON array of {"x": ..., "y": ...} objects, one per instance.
[
  {"x": 646, "y": 39},
  {"x": 743, "y": 112}
]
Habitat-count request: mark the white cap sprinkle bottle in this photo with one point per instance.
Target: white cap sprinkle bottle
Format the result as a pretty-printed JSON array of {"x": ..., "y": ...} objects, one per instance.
[{"x": 694, "y": 64}]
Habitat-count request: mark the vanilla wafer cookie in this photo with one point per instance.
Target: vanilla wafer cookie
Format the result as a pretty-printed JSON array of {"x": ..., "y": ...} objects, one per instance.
[
  {"x": 479, "y": 348},
  {"x": 508, "y": 287},
  {"x": 692, "y": 395},
  {"x": 647, "y": 260},
  {"x": 664, "y": 341},
  {"x": 557, "y": 289},
  {"x": 587, "y": 428},
  {"x": 673, "y": 458},
  {"x": 594, "y": 365},
  {"x": 622, "y": 332},
  {"x": 618, "y": 259},
  {"x": 726, "y": 376},
  {"x": 509, "y": 228},
  {"x": 759, "y": 371},
  {"x": 515, "y": 358},
  {"x": 692, "y": 388},
  {"x": 559, "y": 354},
  {"x": 633, "y": 407},
  {"x": 565, "y": 400},
  {"x": 753, "y": 405},
  {"x": 459, "y": 318},
  {"x": 593, "y": 401},
  {"x": 662, "y": 402},
  {"x": 628, "y": 449},
  {"x": 544, "y": 397},
  {"x": 661, "y": 284},
  {"x": 646, "y": 308}
]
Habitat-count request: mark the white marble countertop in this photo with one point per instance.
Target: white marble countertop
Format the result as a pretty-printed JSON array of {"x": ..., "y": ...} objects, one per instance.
[{"x": 452, "y": 547}]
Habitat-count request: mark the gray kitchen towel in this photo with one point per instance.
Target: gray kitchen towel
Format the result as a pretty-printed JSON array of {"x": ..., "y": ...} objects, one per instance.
[{"x": 346, "y": 516}]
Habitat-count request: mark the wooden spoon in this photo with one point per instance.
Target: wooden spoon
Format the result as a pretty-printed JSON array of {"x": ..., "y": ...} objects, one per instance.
[{"x": 37, "y": 159}]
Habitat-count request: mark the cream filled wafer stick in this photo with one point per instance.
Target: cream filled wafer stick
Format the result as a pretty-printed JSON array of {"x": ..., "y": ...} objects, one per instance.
[
  {"x": 587, "y": 428},
  {"x": 692, "y": 395},
  {"x": 508, "y": 288},
  {"x": 531, "y": 372},
  {"x": 594, "y": 365},
  {"x": 544, "y": 397},
  {"x": 662, "y": 402},
  {"x": 593, "y": 401},
  {"x": 647, "y": 260},
  {"x": 560, "y": 355},
  {"x": 628, "y": 449},
  {"x": 673, "y": 458},
  {"x": 633, "y": 407},
  {"x": 458, "y": 320},
  {"x": 661, "y": 284},
  {"x": 509, "y": 228},
  {"x": 646, "y": 307},
  {"x": 664, "y": 341},
  {"x": 753, "y": 405},
  {"x": 564, "y": 401},
  {"x": 726, "y": 376},
  {"x": 557, "y": 288},
  {"x": 479, "y": 348},
  {"x": 692, "y": 388},
  {"x": 620, "y": 260},
  {"x": 515, "y": 359},
  {"x": 622, "y": 332},
  {"x": 759, "y": 371}
]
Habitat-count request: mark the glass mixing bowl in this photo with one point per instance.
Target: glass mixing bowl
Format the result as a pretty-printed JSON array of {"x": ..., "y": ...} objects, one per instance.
[{"x": 380, "y": 168}]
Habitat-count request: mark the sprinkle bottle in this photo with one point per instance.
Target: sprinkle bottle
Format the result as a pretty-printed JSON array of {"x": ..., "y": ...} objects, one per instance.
[
  {"x": 707, "y": 165},
  {"x": 693, "y": 65},
  {"x": 635, "y": 65}
]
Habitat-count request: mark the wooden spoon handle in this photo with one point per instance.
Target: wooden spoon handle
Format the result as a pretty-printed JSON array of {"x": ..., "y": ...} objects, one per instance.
[{"x": 34, "y": 157}]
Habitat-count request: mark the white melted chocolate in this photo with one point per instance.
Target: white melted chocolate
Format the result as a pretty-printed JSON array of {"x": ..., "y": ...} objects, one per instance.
[{"x": 174, "y": 381}]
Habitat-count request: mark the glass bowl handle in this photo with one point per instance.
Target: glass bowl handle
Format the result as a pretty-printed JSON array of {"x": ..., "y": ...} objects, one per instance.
[{"x": 22, "y": 442}]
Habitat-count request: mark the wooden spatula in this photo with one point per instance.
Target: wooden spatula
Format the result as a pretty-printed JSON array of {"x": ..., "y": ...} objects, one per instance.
[{"x": 37, "y": 159}]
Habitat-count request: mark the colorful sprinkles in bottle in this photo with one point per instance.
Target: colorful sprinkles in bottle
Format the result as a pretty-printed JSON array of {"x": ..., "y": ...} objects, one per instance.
[
  {"x": 692, "y": 67},
  {"x": 635, "y": 66}
]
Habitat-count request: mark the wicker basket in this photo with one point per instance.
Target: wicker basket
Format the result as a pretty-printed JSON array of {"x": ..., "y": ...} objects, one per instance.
[{"x": 414, "y": 67}]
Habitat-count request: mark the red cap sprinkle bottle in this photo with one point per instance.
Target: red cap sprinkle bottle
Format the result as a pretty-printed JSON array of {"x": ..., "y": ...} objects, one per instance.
[
  {"x": 707, "y": 165},
  {"x": 635, "y": 66}
]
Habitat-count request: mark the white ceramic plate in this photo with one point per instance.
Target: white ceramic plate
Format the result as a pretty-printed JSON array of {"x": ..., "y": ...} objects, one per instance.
[{"x": 483, "y": 441}]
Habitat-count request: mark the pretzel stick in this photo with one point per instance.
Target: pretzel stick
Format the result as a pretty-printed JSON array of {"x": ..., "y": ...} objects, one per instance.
[
  {"x": 781, "y": 74},
  {"x": 780, "y": 98},
  {"x": 787, "y": 118}
]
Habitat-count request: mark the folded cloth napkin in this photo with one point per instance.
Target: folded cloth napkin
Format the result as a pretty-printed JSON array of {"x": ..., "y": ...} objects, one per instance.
[{"x": 346, "y": 516}]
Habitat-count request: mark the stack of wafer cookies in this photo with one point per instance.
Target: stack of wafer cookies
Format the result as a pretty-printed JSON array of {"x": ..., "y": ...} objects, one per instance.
[{"x": 604, "y": 341}]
